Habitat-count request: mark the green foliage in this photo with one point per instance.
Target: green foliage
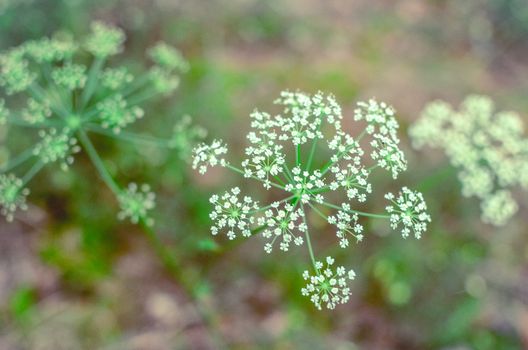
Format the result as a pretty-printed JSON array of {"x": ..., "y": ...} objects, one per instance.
[{"x": 68, "y": 99}]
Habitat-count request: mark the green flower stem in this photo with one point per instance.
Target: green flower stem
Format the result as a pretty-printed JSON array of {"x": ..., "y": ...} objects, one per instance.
[
  {"x": 128, "y": 136},
  {"x": 270, "y": 205},
  {"x": 288, "y": 174},
  {"x": 308, "y": 240},
  {"x": 298, "y": 155},
  {"x": 142, "y": 97},
  {"x": 21, "y": 122},
  {"x": 91, "y": 83},
  {"x": 240, "y": 171},
  {"x": 40, "y": 95},
  {"x": 361, "y": 213},
  {"x": 16, "y": 161},
  {"x": 136, "y": 85},
  {"x": 436, "y": 178},
  {"x": 98, "y": 163},
  {"x": 318, "y": 211},
  {"x": 174, "y": 268},
  {"x": 314, "y": 144},
  {"x": 32, "y": 172}
]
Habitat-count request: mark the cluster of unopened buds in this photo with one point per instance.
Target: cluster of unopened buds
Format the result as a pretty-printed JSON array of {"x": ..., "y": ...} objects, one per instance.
[
  {"x": 52, "y": 92},
  {"x": 306, "y": 156}
]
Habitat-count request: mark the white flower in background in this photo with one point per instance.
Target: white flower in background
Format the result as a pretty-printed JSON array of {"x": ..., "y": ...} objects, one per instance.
[
  {"x": 488, "y": 149},
  {"x": 329, "y": 286},
  {"x": 209, "y": 155},
  {"x": 498, "y": 208},
  {"x": 12, "y": 195},
  {"x": 56, "y": 147},
  {"x": 66, "y": 90},
  {"x": 306, "y": 158},
  {"x": 135, "y": 202}
]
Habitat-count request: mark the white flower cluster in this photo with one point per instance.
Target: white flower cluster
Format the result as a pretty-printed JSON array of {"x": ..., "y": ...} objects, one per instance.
[
  {"x": 347, "y": 223},
  {"x": 135, "y": 202},
  {"x": 65, "y": 90},
  {"x": 12, "y": 195},
  {"x": 232, "y": 214},
  {"x": 488, "y": 149},
  {"x": 383, "y": 127},
  {"x": 328, "y": 287},
  {"x": 305, "y": 153},
  {"x": 282, "y": 223},
  {"x": 115, "y": 114},
  {"x": 56, "y": 147},
  {"x": 410, "y": 210},
  {"x": 209, "y": 155}
]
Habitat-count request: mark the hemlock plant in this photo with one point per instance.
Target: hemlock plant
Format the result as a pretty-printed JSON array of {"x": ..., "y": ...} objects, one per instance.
[
  {"x": 62, "y": 91},
  {"x": 487, "y": 148},
  {"x": 308, "y": 157}
]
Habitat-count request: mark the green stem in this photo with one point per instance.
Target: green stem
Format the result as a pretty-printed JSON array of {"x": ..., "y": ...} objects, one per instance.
[
  {"x": 32, "y": 172},
  {"x": 240, "y": 171},
  {"x": 128, "y": 136},
  {"x": 16, "y": 161},
  {"x": 362, "y": 213},
  {"x": 98, "y": 163},
  {"x": 91, "y": 82},
  {"x": 308, "y": 240}
]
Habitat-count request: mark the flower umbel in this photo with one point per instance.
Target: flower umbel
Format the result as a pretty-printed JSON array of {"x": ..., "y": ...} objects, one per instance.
[
  {"x": 305, "y": 155},
  {"x": 488, "y": 149},
  {"x": 328, "y": 287},
  {"x": 410, "y": 210},
  {"x": 135, "y": 202}
]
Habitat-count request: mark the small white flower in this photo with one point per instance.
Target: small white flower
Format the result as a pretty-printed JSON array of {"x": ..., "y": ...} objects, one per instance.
[
  {"x": 135, "y": 202},
  {"x": 347, "y": 224},
  {"x": 56, "y": 147},
  {"x": 408, "y": 209},
  {"x": 232, "y": 214},
  {"x": 205, "y": 155},
  {"x": 306, "y": 185},
  {"x": 12, "y": 195},
  {"x": 328, "y": 287},
  {"x": 284, "y": 224}
]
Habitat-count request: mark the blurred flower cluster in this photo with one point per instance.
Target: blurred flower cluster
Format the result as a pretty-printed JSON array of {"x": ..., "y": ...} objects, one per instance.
[
  {"x": 488, "y": 149},
  {"x": 64, "y": 90},
  {"x": 306, "y": 154}
]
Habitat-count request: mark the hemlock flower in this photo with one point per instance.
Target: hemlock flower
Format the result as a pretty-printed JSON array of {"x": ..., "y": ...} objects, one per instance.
[
  {"x": 105, "y": 40},
  {"x": 68, "y": 92},
  {"x": 205, "y": 156},
  {"x": 71, "y": 76},
  {"x": 488, "y": 149},
  {"x": 135, "y": 202},
  {"x": 232, "y": 214},
  {"x": 305, "y": 153},
  {"x": 328, "y": 287},
  {"x": 56, "y": 147},
  {"x": 409, "y": 210},
  {"x": 12, "y": 195}
]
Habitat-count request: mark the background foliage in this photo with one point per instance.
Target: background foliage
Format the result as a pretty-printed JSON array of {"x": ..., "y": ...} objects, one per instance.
[{"x": 73, "y": 277}]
